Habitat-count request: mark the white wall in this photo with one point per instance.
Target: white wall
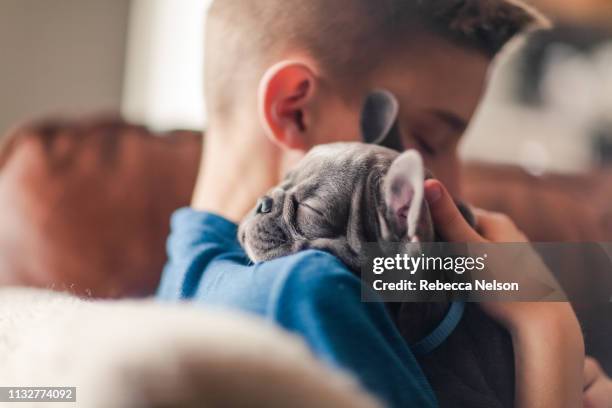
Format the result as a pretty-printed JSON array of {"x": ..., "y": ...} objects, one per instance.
[
  {"x": 60, "y": 56},
  {"x": 163, "y": 80}
]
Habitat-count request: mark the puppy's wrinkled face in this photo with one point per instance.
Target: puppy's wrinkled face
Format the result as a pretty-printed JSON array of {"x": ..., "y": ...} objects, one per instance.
[{"x": 339, "y": 197}]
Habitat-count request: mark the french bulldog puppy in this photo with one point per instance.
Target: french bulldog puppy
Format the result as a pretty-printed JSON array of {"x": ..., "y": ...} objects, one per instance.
[
  {"x": 344, "y": 195},
  {"x": 340, "y": 197}
]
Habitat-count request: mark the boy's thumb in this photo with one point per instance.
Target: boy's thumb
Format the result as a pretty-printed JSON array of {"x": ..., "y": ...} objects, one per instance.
[{"x": 447, "y": 218}]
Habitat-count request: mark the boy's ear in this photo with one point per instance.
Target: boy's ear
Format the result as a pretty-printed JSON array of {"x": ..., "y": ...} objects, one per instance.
[
  {"x": 379, "y": 123},
  {"x": 403, "y": 192},
  {"x": 285, "y": 93}
]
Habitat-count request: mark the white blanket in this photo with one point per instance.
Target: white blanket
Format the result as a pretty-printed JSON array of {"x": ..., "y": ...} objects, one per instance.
[{"x": 143, "y": 354}]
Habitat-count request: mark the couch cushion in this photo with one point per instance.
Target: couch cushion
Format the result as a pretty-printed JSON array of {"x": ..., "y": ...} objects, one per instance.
[
  {"x": 85, "y": 205},
  {"x": 128, "y": 354}
]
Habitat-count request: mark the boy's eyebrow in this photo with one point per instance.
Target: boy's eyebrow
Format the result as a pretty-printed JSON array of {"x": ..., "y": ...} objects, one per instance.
[{"x": 456, "y": 122}]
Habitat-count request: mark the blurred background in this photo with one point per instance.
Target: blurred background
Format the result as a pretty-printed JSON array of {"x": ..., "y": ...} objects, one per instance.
[
  {"x": 142, "y": 57},
  {"x": 550, "y": 106}
]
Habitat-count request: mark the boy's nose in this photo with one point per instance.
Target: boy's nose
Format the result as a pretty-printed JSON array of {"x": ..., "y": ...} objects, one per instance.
[{"x": 264, "y": 205}]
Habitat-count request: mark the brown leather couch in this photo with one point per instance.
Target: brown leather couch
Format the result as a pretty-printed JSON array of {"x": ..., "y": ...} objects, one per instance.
[
  {"x": 553, "y": 208},
  {"x": 85, "y": 207}
]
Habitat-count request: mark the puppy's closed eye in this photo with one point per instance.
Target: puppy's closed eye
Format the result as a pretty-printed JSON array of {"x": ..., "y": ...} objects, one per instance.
[{"x": 314, "y": 221}]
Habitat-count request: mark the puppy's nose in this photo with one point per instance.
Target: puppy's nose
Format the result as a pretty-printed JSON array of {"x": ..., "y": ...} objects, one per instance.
[{"x": 264, "y": 205}]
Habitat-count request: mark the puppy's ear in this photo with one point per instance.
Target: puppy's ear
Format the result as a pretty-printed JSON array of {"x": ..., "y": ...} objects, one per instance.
[
  {"x": 403, "y": 192},
  {"x": 379, "y": 120}
]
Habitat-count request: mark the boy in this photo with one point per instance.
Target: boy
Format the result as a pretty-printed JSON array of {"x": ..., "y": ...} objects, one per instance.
[{"x": 285, "y": 75}]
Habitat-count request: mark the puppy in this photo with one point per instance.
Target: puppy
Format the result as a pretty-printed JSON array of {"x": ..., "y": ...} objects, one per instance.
[{"x": 340, "y": 197}]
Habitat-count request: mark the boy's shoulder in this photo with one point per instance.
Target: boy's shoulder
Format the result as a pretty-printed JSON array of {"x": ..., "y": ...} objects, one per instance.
[
  {"x": 307, "y": 277},
  {"x": 207, "y": 265},
  {"x": 312, "y": 272},
  {"x": 308, "y": 266},
  {"x": 310, "y": 279}
]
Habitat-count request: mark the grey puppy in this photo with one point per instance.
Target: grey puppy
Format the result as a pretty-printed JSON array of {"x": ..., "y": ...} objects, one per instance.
[
  {"x": 341, "y": 196},
  {"x": 344, "y": 195}
]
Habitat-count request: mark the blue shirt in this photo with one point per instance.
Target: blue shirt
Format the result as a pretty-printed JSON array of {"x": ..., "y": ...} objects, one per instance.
[{"x": 310, "y": 293}]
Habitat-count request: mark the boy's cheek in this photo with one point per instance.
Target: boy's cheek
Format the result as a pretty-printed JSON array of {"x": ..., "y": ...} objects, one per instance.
[
  {"x": 349, "y": 131},
  {"x": 446, "y": 168},
  {"x": 337, "y": 122}
]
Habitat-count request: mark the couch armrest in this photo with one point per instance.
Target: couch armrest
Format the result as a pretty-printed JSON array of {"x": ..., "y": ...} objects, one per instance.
[{"x": 85, "y": 205}]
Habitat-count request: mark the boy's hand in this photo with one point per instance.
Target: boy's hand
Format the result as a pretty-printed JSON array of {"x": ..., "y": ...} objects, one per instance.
[
  {"x": 493, "y": 227},
  {"x": 548, "y": 343},
  {"x": 597, "y": 386}
]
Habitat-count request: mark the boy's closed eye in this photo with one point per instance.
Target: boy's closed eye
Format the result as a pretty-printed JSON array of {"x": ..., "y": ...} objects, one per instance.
[{"x": 434, "y": 132}]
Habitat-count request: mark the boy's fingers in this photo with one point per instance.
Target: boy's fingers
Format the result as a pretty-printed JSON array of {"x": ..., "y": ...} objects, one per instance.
[
  {"x": 592, "y": 371},
  {"x": 497, "y": 227},
  {"x": 599, "y": 394},
  {"x": 446, "y": 216}
]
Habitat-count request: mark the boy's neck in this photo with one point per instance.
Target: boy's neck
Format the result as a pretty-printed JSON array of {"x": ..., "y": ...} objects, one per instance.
[{"x": 235, "y": 172}]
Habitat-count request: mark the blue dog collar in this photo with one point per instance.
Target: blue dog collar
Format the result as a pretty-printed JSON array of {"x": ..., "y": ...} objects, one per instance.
[{"x": 440, "y": 333}]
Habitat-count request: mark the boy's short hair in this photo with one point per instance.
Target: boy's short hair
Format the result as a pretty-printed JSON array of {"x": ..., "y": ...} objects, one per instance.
[{"x": 346, "y": 37}]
